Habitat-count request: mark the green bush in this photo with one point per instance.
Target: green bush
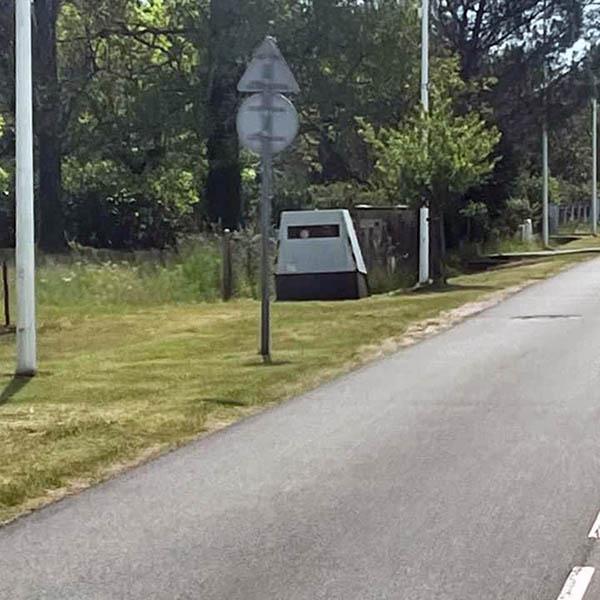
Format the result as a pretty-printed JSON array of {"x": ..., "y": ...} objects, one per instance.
[
  {"x": 108, "y": 206},
  {"x": 382, "y": 281}
]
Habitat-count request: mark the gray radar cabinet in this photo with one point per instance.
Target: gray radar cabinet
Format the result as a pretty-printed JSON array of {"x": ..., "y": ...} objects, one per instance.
[{"x": 319, "y": 257}]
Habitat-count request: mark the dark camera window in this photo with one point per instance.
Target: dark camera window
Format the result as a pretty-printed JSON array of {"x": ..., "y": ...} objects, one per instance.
[{"x": 313, "y": 231}]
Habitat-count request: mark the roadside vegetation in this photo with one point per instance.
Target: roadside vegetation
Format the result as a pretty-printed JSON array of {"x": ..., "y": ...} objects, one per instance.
[
  {"x": 191, "y": 276},
  {"x": 133, "y": 364}
]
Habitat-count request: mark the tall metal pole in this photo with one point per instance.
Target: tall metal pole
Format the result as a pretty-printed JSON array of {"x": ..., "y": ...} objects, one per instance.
[
  {"x": 425, "y": 55},
  {"x": 25, "y": 250},
  {"x": 424, "y": 243},
  {"x": 265, "y": 208},
  {"x": 595, "y": 165},
  {"x": 265, "y": 213},
  {"x": 545, "y": 169},
  {"x": 545, "y": 212}
]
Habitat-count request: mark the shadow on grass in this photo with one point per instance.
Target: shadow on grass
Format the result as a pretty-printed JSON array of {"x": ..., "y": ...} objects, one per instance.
[
  {"x": 13, "y": 387},
  {"x": 456, "y": 287},
  {"x": 259, "y": 362},
  {"x": 224, "y": 402},
  {"x": 451, "y": 287}
]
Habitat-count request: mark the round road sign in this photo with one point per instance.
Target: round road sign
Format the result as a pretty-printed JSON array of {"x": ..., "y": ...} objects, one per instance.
[{"x": 251, "y": 124}]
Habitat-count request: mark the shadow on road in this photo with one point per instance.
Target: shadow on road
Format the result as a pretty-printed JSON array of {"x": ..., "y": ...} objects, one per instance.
[{"x": 15, "y": 386}]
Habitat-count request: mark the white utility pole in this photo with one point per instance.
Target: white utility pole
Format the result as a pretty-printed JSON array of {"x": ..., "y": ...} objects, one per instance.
[
  {"x": 425, "y": 55},
  {"x": 595, "y": 165},
  {"x": 424, "y": 245},
  {"x": 25, "y": 249},
  {"x": 545, "y": 169},
  {"x": 424, "y": 212},
  {"x": 546, "y": 177}
]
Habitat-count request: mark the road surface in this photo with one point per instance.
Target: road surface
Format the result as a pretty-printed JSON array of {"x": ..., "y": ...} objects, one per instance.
[{"x": 464, "y": 468}]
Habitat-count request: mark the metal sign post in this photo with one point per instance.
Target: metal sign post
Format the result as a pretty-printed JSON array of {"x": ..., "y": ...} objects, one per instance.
[
  {"x": 265, "y": 219},
  {"x": 267, "y": 123}
]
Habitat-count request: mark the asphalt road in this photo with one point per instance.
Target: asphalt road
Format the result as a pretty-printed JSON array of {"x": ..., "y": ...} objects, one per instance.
[{"x": 465, "y": 468}]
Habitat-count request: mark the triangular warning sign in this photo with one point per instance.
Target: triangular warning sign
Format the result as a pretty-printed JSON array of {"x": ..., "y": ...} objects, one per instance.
[{"x": 268, "y": 70}]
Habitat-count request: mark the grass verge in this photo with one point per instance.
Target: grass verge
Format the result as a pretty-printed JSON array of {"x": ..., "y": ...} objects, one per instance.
[{"x": 118, "y": 384}]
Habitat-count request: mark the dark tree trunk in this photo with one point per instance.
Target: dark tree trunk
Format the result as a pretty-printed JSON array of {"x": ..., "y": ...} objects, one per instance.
[
  {"x": 438, "y": 247},
  {"x": 51, "y": 220},
  {"x": 51, "y": 233},
  {"x": 334, "y": 168},
  {"x": 223, "y": 188}
]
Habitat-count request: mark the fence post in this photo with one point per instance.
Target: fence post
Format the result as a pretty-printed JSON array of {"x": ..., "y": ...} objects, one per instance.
[
  {"x": 227, "y": 267},
  {"x": 6, "y": 294}
]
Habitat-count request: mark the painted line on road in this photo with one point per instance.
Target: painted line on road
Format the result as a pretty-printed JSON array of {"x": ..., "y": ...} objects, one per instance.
[
  {"x": 595, "y": 530},
  {"x": 577, "y": 584}
]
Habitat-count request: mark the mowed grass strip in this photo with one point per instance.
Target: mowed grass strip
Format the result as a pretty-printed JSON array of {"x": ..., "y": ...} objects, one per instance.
[{"x": 117, "y": 385}]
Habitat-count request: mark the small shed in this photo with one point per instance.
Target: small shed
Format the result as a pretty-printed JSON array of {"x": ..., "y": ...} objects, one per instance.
[
  {"x": 319, "y": 257},
  {"x": 389, "y": 238}
]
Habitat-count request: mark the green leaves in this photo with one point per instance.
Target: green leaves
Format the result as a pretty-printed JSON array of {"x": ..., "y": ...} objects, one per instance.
[
  {"x": 437, "y": 156},
  {"x": 139, "y": 98},
  {"x": 128, "y": 71}
]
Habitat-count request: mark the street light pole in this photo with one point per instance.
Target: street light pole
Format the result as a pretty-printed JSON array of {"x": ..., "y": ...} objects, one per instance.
[
  {"x": 25, "y": 250},
  {"x": 545, "y": 168},
  {"x": 546, "y": 177},
  {"x": 425, "y": 55},
  {"x": 595, "y": 165},
  {"x": 424, "y": 243}
]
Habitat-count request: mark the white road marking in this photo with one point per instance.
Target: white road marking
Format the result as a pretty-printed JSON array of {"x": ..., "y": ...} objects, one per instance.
[
  {"x": 577, "y": 583},
  {"x": 595, "y": 530}
]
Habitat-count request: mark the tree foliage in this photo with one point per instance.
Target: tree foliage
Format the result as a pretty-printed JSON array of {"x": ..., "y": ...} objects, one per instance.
[
  {"x": 136, "y": 101},
  {"x": 436, "y": 156}
]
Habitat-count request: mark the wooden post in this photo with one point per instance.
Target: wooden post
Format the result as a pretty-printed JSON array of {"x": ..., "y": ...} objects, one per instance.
[
  {"x": 227, "y": 267},
  {"x": 6, "y": 294}
]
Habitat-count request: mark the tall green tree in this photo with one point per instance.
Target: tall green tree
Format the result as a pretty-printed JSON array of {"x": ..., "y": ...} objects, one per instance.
[
  {"x": 223, "y": 186},
  {"x": 437, "y": 155},
  {"x": 507, "y": 42},
  {"x": 481, "y": 31},
  {"x": 136, "y": 103},
  {"x": 352, "y": 58},
  {"x": 48, "y": 126},
  {"x": 48, "y": 113},
  {"x": 135, "y": 162}
]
